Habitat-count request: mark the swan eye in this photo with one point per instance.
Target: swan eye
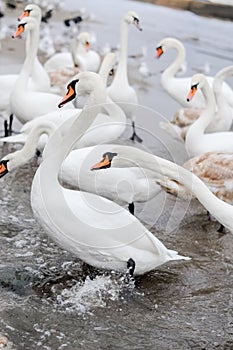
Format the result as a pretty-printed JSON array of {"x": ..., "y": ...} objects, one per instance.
[
  {"x": 194, "y": 87},
  {"x": 136, "y": 20}
]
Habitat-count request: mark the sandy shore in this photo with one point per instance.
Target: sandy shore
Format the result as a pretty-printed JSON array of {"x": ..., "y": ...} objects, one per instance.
[{"x": 201, "y": 8}]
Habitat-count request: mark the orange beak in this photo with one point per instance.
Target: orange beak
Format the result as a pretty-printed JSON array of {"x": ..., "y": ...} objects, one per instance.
[
  {"x": 24, "y": 14},
  {"x": 3, "y": 168},
  {"x": 191, "y": 93},
  {"x": 18, "y": 31},
  {"x": 87, "y": 45},
  {"x": 70, "y": 95},
  {"x": 104, "y": 163},
  {"x": 159, "y": 52}
]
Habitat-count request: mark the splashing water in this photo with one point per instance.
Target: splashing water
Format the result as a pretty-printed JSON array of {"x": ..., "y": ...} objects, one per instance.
[{"x": 84, "y": 297}]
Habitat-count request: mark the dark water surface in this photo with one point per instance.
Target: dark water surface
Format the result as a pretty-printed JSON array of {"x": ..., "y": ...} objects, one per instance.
[{"x": 48, "y": 298}]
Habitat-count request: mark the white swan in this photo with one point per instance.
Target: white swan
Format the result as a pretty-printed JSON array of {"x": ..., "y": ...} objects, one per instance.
[
  {"x": 120, "y": 91},
  {"x": 40, "y": 77},
  {"x": 96, "y": 230},
  {"x": 39, "y": 80},
  {"x": 26, "y": 104},
  {"x": 123, "y": 186},
  {"x": 221, "y": 120},
  {"x": 197, "y": 142},
  {"x": 177, "y": 87},
  {"x": 81, "y": 56},
  {"x": 108, "y": 125},
  {"x": 221, "y": 210}
]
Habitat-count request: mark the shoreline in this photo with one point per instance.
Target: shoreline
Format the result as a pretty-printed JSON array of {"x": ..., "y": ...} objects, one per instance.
[{"x": 206, "y": 9}]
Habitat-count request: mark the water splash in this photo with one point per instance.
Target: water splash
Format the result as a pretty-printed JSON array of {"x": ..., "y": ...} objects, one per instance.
[{"x": 85, "y": 297}]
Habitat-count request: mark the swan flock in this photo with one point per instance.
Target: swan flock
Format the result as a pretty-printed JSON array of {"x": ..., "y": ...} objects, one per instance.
[{"x": 80, "y": 193}]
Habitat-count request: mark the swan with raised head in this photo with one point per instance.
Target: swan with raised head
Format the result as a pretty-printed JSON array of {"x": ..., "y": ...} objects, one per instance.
[
  {"x": 24, "y": 103},
  {"x": 197, "y": 142},
  {"x": 177, "y": 87},
  {"x": 221, "y": 210},
  {"x": 98, "y": 231},
  {"x": 120, "y": 91},
  {"x": 81, "y": 56},
  {"x": 38, "y": 80},
  {"x": 108, "y": 125},
  {"x": 221, "y": 120}
]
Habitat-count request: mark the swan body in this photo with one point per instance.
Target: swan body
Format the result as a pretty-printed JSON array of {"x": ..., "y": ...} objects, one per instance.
[
  {"x": 81, "y": 56},
  {"x": 221, "y": 120},
  {"x": 24, "y": 103},
  {"x": 120, "y": 91},
  {"x": 197, "y": 142},
  {"x": 96, "y": 230},
  {"x": 178, "y": 87}
]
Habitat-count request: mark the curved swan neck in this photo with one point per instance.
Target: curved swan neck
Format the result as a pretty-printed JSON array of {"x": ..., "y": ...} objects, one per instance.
[
  {"x": 164, "y": 167},
  {"x": 218, "y": 81},
  {"x": 206, "y": 116},
  {"x": 106, "y": 66},
  {"x": 28, "y": 150},
  {"x": 30, "y": 57},
  {"x": 115, "y": 113},
  {"x": 176, "y": 64}
]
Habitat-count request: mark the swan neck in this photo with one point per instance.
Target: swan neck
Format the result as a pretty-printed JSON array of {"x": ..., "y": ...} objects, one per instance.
[
  {"x": 115, "y": 113},
  {"x": 121, "y": 72},
  {"x": 31, "y": 52},
  {"x": 176, "y": 64}
]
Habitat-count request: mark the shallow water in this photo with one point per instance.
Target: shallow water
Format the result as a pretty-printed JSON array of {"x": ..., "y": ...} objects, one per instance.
[{"x": 48, "y": 298}]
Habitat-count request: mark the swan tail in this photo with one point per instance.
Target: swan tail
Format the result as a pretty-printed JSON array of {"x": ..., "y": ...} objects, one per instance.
[
  {"x": 175, "y": 256},
  {"x": 173, "y": 130},
  {"x": 20, "y": 138}
]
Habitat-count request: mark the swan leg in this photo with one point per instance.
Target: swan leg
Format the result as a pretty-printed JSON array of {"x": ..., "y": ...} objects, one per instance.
[
  {"x": 221, "y": 229},
  {"x": 134, "y": 136},
  {"x": 130, "y": 268},
  {"x": 6, "y": 128},
  {"x": 131, "y": 208},
  {"x": 10, "y": 123}
]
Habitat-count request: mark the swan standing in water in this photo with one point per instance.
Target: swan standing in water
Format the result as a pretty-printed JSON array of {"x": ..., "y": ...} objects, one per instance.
[
  {"x": 98, "y": 231},
  {"x": 197, "y": 142},
  {"x": 177, "y": 87},
  {"x": 221, "y": 120},
  {"x": 221, "y": 210},
  {"x": 120, "y": 91},
  {"x": 24, "y": 103}
]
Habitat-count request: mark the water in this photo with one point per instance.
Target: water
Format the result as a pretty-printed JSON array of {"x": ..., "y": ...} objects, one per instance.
[{"x": 50, "y": 300}]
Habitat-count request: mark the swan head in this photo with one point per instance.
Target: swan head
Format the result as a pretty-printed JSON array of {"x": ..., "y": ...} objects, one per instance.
[
  {"x": 106, "y": 162},
  {"x": 84, "y": 39},
  {"x": 10, "y": 162},
  {"x": 31, "y": 10},
  {"x": 166, "y": 44},
  {"x": 85, "y": 83},
  {"x": 26, "y": 24},
  {"x": 198, "y": 81},
  {"x": 132, "y": 17}
]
